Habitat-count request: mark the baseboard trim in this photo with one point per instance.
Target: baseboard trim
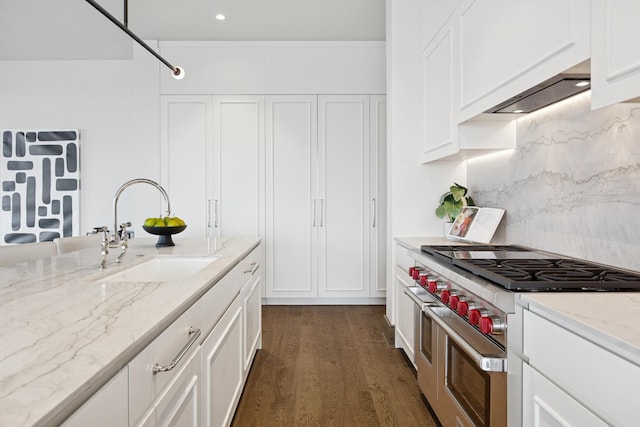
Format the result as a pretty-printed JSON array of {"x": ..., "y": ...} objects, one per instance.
[{"x": 324, "y": 301}]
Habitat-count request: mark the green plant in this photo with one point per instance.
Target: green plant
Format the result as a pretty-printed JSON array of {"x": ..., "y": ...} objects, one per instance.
[{"x": 452, "y": 202}]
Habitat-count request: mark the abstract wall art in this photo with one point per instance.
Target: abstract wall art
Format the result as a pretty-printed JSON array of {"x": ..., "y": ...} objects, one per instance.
[{"x": 40, "y": 176}]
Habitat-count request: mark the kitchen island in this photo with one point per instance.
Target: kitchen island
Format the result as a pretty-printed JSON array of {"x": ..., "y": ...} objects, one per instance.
[{"x": 65, "y": 329}]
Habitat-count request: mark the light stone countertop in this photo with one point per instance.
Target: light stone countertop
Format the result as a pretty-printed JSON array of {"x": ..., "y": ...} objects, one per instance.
[
  {"x": 608, "y": 319},
  {"x": 64, "y": 333}
]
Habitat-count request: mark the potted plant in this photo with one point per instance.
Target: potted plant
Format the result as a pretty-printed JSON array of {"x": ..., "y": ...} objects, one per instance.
[{"x": 452, "y": 202}]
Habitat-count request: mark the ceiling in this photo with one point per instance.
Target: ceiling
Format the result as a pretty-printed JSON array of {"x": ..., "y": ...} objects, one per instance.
[
  {"x": 248, "y": 20},
  {"x": 73, "y": 29}
]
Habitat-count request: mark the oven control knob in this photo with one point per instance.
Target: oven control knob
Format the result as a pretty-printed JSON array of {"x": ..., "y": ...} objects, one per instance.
[
  {"x": 416, "y": 273},
  {"x": 491, "y": 325},
  {"x": 445, "y": 294},
  {"x": 435, "y": 286},
  {"x": 463, "y": 308},
  {"x": 423, "y": 280},
  {"x": 475, "y": 314},
  {"x": 411, "y": 271},
  {"x": 454, "y": 301}
]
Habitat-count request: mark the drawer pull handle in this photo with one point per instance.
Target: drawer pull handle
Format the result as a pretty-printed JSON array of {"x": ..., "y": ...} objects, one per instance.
[
  {"x": 194, "y": 333},
  {"x": 252, "y": 268}
]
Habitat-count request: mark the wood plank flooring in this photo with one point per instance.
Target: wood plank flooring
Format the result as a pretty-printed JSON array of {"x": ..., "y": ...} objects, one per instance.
[{"x": 329, "y": 366}]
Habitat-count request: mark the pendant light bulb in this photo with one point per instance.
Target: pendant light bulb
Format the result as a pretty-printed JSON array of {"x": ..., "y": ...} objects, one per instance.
[{"x": 178, "y": 73}]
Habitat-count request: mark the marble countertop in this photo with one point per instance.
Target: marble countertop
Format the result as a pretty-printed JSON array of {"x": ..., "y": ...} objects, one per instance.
[
  {"x": 64, "y": 333},
  {"x": 609, "y": 319}
]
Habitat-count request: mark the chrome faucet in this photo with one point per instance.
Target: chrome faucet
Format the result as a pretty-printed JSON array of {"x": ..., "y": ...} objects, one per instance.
[
  {"x": 124, "y": 240},
  {"x": 104, "y": 244},
  {"x": 120, "y": 237}
]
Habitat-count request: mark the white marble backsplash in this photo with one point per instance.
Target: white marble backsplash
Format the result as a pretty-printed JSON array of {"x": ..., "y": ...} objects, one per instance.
[{"x": 572, "y": 185}]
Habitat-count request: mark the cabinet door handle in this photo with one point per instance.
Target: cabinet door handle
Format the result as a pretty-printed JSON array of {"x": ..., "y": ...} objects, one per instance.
[
  {"x": 208, "y": 213},
  {"x": 252, "y": 267},
  {"x": 194, "y": 333},
  {"x": 313, "y": 224},
  {"x": 215, "y": 213},
  {"x": 373, "y": 223},
  {"x": 321, "y": 212}
]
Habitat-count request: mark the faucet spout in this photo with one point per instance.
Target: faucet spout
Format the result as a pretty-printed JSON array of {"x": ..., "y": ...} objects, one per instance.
[{"x": 116, "y": 237}]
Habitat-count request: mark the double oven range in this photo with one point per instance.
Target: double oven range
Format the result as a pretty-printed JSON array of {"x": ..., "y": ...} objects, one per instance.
[{"x": 465, "y": 297}]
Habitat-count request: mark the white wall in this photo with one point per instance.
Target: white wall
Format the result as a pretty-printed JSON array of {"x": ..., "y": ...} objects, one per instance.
[{"x": 115, "y": 104}]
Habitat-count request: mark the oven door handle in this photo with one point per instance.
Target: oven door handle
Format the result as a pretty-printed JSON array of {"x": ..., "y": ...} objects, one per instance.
[{"x": 487, "y": 363}]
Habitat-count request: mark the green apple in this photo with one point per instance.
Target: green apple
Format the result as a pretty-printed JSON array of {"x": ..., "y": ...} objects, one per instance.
[
  {"x": 150, "y": 222},
  {"x": 159, "y": 223},
  {"x": 173, "y": 222}
]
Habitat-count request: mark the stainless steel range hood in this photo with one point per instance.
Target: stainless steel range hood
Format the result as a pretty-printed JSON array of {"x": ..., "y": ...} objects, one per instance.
[{"x": 546, "y": 93}]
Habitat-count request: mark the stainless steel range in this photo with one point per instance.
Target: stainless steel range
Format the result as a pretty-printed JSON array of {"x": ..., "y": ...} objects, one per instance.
[{"x": 466, "y": 295}]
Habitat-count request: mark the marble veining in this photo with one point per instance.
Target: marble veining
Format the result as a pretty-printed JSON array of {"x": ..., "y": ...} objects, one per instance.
[{"x": 571, "y": 184}]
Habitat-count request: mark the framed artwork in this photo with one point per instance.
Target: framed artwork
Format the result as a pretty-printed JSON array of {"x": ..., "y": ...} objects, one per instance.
[{"x": 40, "y": 175}]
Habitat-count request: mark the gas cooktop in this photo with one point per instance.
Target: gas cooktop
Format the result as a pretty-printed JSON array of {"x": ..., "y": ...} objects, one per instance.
[{"x": 519, "y": 268}]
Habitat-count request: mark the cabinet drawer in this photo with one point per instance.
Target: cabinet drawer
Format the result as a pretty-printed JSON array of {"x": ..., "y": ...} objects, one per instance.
[
  {"x": 218, "y": 299},
  {"x": 403, "y": 260},
  {"x": 251, "y": 264},
  {"x": 600, "y": 380},
  {"x": 144, "y": 385}
]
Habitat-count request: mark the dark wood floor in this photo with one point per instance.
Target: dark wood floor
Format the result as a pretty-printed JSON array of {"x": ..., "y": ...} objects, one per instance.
[{"x": 329, "y": 366}]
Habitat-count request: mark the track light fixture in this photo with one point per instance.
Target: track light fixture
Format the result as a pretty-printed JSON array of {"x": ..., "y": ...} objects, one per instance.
[{"x": 178, "y": 73}]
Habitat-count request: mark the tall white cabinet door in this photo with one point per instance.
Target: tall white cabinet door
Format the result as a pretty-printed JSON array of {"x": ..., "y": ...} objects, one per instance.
[
  {"x": 343, "y": 192},
  {"x": 238, "y": 150},
  {"x": 378, "y": 195},
  {"x": 615, "y": 59},
  {"x": 185, "y": 143},
  {"x": 291, "y": 221}
]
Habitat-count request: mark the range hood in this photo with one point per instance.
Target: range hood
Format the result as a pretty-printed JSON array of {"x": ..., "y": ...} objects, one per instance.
[{"x": 546, "y": 93}]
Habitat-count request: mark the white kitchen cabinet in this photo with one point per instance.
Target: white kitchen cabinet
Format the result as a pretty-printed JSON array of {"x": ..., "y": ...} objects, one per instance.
[
  {"x": 157, "y": 397},
  {"x": 343, "y": 203},
  {"x": 510, "y": 46},
  {"x": 237, "y": 170},
  {"x": 435, "y": 14},
  {"x": 547, "y": 405},
  {"x": 230, "y": 346},
  {"x": 107, "y": 407},
  {"x": 222, "y": 368},
  {"x": 378, "y": 195},
  {"x": 323, "y": 197},
  {"x": 568, "y": 377},
  {"x": 405, "y": 328},
  {"x": 445, "y": 136},
  {"x": 179, "y": 404},
  {"x": 252, "y": 311},
  {"x": 615, "y": 59},
  {"x": 185, "y": 159},
  {"x": 291, "y": 238},
  {"x": 441, "y": 67}
]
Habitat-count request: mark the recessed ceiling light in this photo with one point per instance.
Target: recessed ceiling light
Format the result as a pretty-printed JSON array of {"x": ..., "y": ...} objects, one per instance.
[
  {"x": 220, "y": 17},
  {"x": 582, "y": 84}
]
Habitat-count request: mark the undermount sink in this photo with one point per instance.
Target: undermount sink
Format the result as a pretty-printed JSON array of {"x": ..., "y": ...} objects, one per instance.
[{"x": 161, "y": 269}]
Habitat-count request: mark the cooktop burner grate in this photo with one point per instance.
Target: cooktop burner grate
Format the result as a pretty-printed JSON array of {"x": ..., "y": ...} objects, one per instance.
[
  {"x": 551, "y": 274},
  {"x": 519, "y": 268}
]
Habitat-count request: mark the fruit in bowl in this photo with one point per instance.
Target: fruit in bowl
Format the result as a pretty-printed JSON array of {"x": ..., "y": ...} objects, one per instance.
[{"x": 164, "y": 227}]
